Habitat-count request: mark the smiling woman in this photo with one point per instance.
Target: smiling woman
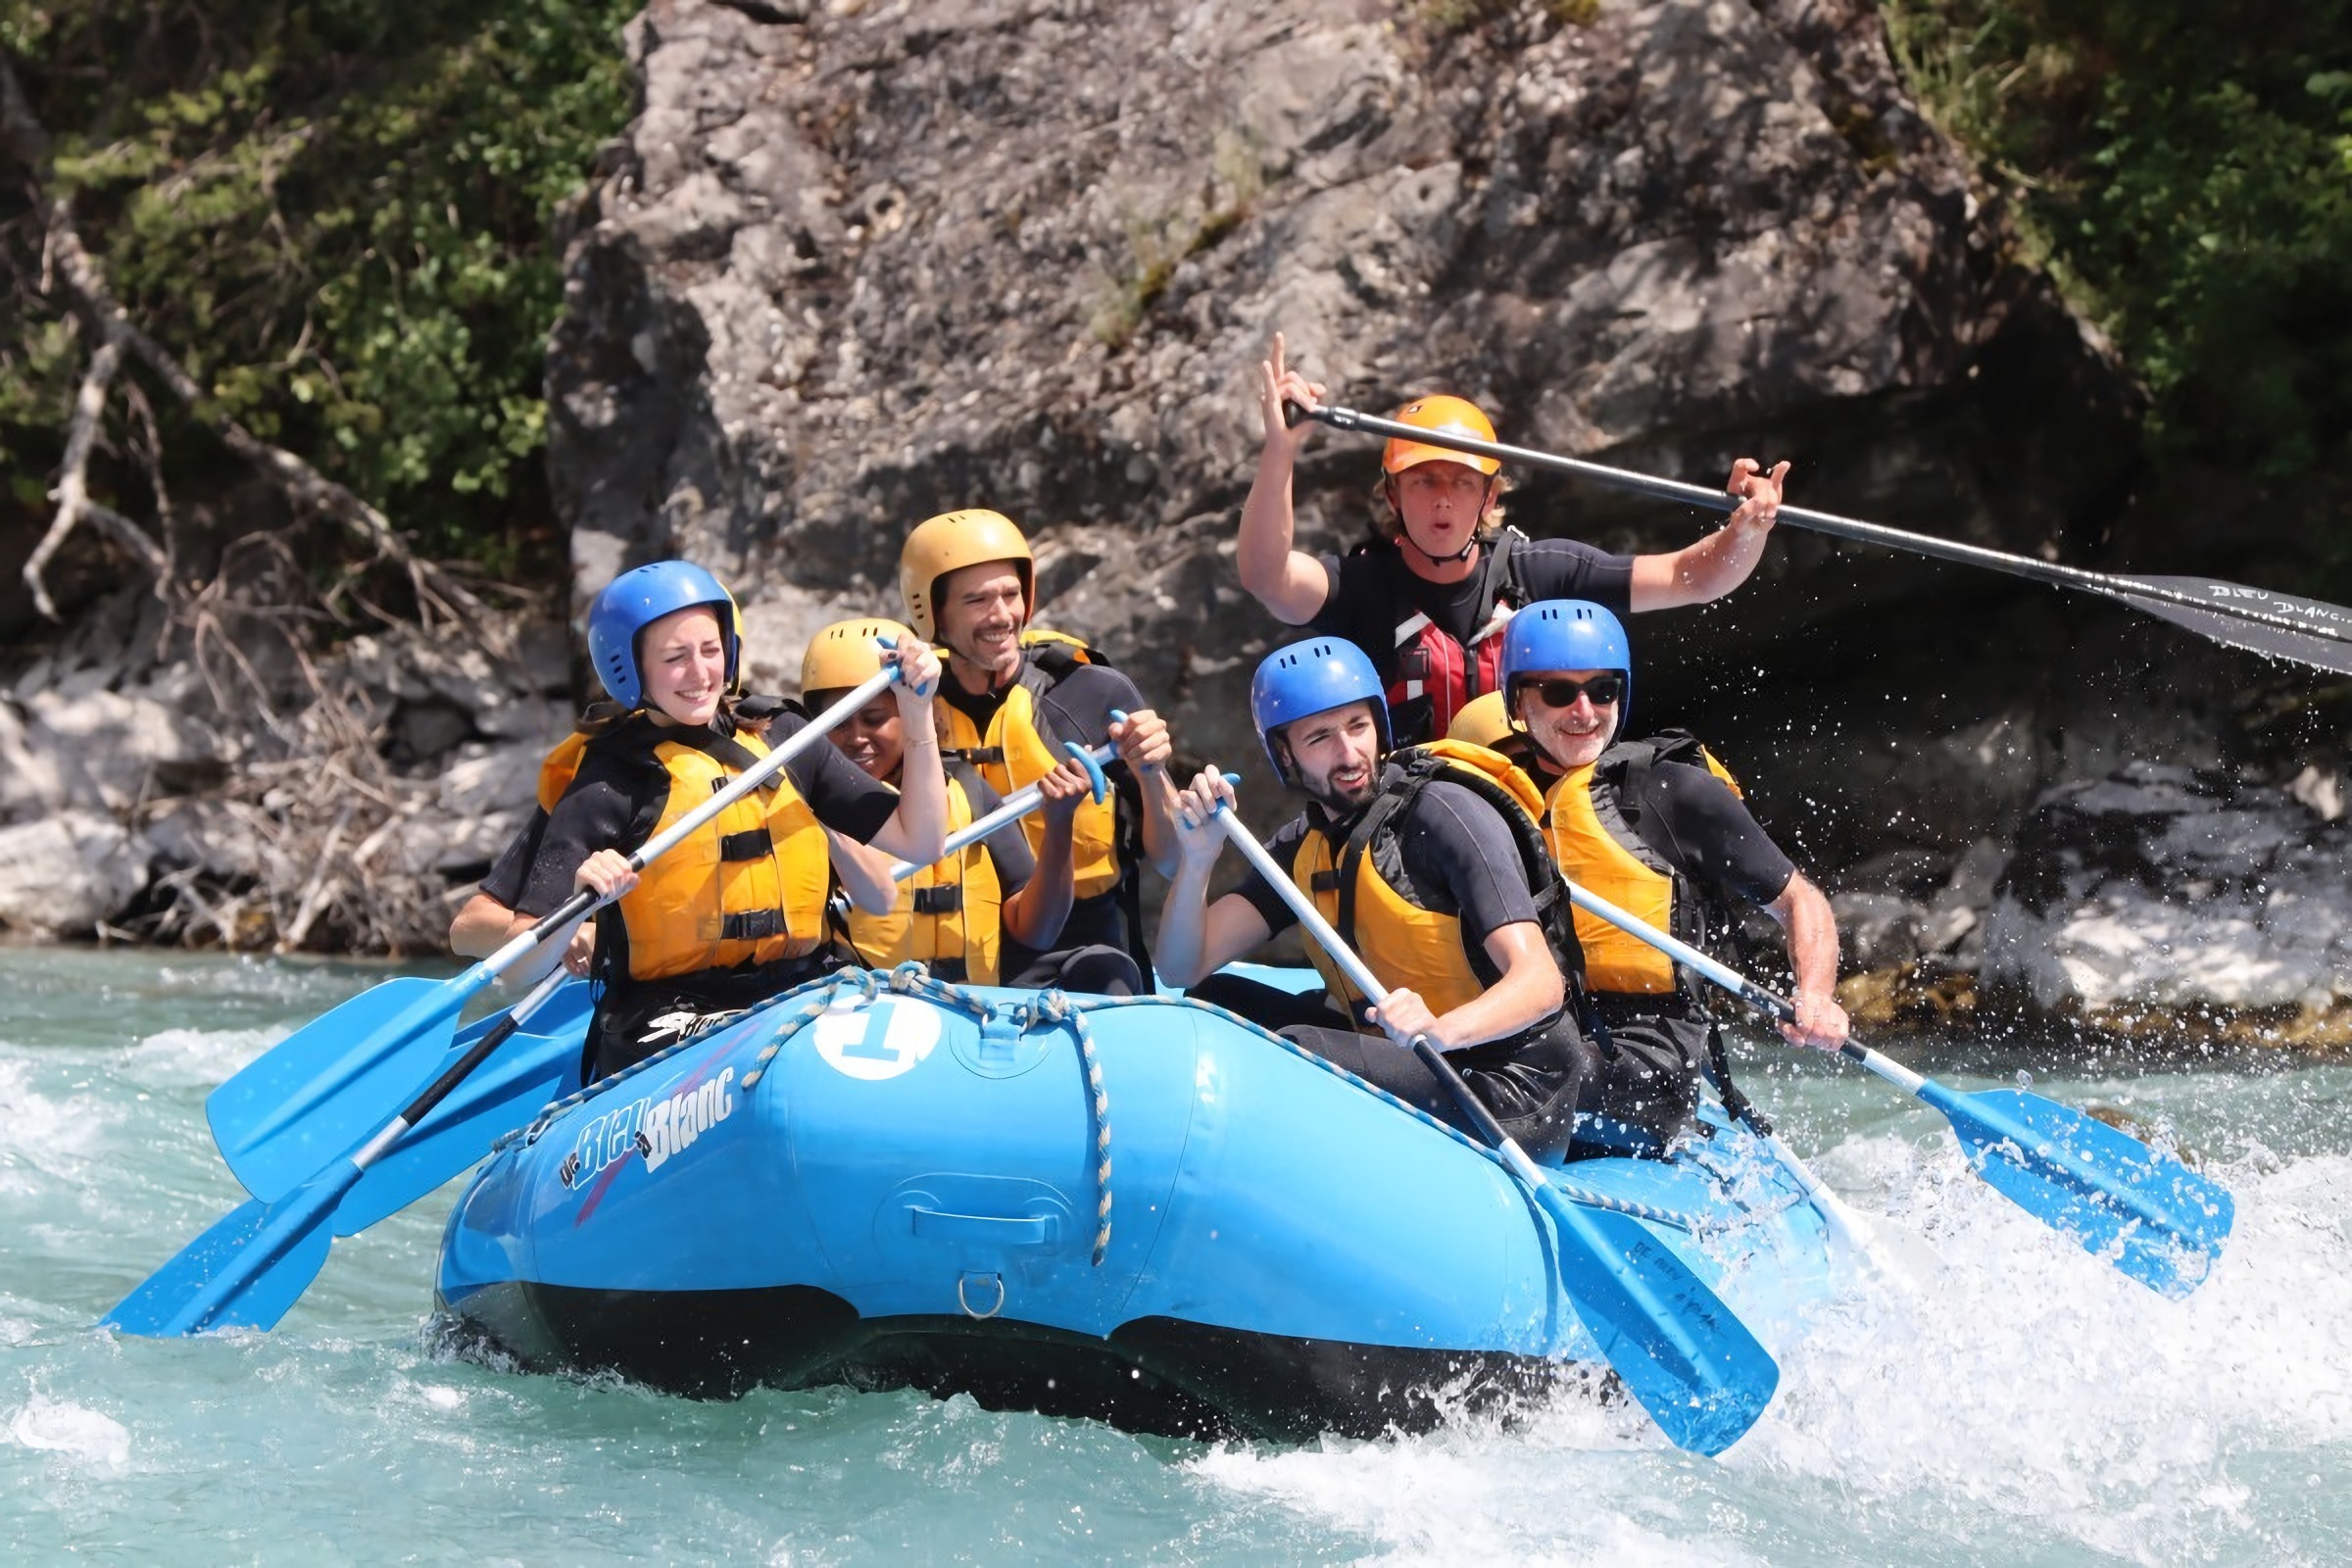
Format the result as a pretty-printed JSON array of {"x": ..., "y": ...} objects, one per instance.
[{"x": 738, "y": 911}]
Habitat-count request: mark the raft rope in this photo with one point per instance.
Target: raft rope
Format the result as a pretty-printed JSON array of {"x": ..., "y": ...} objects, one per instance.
[
  {"x": 912, "y": 979},
  {"x": 791, "y": 1025},
  {"x": 1053, "y": 1008}
]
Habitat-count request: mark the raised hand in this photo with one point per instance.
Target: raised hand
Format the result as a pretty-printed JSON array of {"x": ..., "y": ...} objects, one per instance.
[
  {"x": 1760, "y": 493},
  {"x": 1278, "y": 385}
]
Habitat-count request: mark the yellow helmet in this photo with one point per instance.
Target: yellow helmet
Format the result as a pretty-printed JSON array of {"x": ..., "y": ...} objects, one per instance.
[
  {"x": 1483, "y": 722},
  {"x": 844, "y": 655},
  {"x": 956, "y": 539},
  {"x": 1455, "y": 415}
]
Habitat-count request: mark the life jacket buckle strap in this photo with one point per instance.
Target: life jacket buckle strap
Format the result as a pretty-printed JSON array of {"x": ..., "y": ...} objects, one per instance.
[
  {"x": 751, "y": 925},
  {"x": 937, "y": 900},
  {"x": 752, "y": 844}
]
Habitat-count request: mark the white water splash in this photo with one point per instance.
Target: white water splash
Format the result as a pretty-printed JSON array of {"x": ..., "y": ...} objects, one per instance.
[
  {"x": 75, "y": 1431},
  {"x": 49, "y": 1138},
  {"x": 2027, "y": 1393},
  {"x": 181, "y": 1059}
]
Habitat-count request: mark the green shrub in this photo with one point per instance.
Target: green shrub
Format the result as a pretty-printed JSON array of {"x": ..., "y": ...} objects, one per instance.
[
  {"x": 2186, "y": 168},
  {"x": 337, "y": 215}
]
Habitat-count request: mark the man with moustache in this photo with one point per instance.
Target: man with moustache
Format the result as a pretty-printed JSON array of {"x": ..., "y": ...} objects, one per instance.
[
  {"x": 1420, "y": 870},
  {"x": 1008, "y": 704}
]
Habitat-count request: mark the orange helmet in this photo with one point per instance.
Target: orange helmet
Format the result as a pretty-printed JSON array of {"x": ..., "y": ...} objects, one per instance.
[
  {"x": 952, "y": 540},
  {"x": 1455, "y": 415}
]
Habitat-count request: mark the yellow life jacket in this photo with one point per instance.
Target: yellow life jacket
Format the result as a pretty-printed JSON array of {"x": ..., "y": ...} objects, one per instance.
[
  {"x": 1014, "y": 754},
  {"x": 748, "y": 888},
  {"x": 949, "y": 915},
  {"x": 1593, "y": 823},
  {"x": 1405, "y": 945},
  {"x": 559, "y": 768}
]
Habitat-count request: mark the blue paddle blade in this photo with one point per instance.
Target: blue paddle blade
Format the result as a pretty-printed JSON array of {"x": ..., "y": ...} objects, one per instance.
[
  {"x": 2150, "y": 1215},
  {"x": 1679, "y": 1349},
  {"x": 321, "y": 1092},
  {"x": 527, "y": 1071},
  {"x": 245, "y": 1272}
]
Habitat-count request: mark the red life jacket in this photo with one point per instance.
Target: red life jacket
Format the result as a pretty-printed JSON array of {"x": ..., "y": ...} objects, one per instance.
[{"x": 1431, "y": 677}]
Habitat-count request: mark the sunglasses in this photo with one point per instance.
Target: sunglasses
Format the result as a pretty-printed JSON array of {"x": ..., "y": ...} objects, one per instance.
[{"x": 1604, "y": 690}]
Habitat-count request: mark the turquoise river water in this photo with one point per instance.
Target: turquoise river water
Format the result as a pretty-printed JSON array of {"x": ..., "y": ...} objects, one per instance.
[{"x": 2026, "y": 1404}]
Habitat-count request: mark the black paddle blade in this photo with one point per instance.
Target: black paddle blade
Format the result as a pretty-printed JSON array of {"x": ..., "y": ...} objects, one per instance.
[{"x": 2276, "y": 625}]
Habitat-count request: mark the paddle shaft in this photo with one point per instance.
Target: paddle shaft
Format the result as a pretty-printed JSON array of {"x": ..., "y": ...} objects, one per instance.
[
  {"x": 2303, "y": 629},
  {"x": 1737, "y": 984},
  {"x": 1365, "y": 981},
  {"x": 1830, "y": 1206},
  {"x": 497, "y": 1035},
  {"x": 1015, "y": 806}
]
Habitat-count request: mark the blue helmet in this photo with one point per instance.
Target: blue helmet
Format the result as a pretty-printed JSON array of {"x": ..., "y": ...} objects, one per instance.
[
  {"x": 1312, "y": 677},
  {"x": 1566, "y": 634},
  {"x": 634, "y": 601}
]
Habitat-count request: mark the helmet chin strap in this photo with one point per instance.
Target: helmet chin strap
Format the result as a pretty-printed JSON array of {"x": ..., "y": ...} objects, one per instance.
[{"x": 1396, "y": 501}]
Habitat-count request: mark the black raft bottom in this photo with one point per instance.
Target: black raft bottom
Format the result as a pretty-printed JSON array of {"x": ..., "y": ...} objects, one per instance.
[{"x": 1158, "y": 1376}]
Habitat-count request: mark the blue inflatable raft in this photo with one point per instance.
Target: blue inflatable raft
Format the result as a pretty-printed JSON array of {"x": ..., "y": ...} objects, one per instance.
[{"x": 1142, "y": 1210}]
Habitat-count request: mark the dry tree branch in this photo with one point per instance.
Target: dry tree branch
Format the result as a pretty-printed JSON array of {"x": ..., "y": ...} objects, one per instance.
[
  {"x": 316, "y": 782},
  {"x": 73, "y": 492},
  {"x": 70, "y": 264}
]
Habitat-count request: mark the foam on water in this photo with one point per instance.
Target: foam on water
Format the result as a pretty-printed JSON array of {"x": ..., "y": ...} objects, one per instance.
[
  {"x": 194, "y": 1058},
  {"x": 51, "y": 1136},
  {"x": 2031, "y": 1379},
  {"x": 73, "y": 1431},
  {"x": 2025, "y": 1396}
]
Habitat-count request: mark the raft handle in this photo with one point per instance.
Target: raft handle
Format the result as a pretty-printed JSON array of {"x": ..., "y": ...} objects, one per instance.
[{"x": 993, "y": 1230}]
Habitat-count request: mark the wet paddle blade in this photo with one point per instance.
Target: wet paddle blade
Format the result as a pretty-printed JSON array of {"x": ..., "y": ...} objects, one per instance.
[
  {"x": 2146, "y": 1214},
  {"x": 245, "y": 1272},
  {"x": 2305, "y": 632},
  {"x": 1692, "y": 1365},
  {"x": 529, "y": 1071},
  {"x": 317, "y": 1094}
]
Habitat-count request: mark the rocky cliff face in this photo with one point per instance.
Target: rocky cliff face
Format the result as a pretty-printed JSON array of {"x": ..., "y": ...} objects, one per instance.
[
  {"x": 858, "y": 265},
  {"x": 854, "y": 266}
]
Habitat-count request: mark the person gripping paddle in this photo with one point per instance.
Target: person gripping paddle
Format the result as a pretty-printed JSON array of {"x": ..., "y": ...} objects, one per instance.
[
  {"x": 739, "y": 914},
  {"x": 952, "y": 916},
  {"x": 1418, "y": 864}
]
